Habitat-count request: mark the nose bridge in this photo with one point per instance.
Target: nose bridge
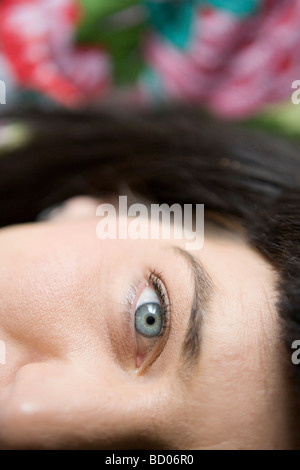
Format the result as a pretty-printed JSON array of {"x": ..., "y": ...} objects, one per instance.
[
  {"x": 60, "y": 405},
  {"x": 50, "y": 405}
]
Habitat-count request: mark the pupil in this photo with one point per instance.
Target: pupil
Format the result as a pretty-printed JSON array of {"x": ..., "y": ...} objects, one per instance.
[{"x": 150, "y": 320}]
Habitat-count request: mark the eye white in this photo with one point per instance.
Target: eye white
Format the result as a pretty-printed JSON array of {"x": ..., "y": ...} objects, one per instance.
[{"x": 148, "y": 296}]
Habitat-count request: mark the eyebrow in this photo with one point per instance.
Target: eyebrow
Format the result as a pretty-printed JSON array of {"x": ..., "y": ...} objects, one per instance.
[{"x": 203, "y": 292}]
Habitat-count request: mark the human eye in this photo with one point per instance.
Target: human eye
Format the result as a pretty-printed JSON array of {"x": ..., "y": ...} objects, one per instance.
[{"x": 151, "y": 321}]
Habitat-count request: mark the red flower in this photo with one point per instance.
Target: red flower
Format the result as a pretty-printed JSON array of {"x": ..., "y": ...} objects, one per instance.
[{"x": 37, "y": 39}]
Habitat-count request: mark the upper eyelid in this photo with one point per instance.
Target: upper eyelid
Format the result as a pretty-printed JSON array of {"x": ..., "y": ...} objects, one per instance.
[{"x": 156, "y": 279}]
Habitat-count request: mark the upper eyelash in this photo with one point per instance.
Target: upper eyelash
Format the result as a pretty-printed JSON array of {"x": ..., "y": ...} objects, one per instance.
[{"x": 158, "y": 285}]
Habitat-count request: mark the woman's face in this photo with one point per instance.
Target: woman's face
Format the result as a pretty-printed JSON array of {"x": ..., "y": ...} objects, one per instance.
[{"x": 137, "y": 343}]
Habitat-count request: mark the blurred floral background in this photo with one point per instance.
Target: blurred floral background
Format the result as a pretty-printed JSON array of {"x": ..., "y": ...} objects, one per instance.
[{"x": 236, "y": 59}]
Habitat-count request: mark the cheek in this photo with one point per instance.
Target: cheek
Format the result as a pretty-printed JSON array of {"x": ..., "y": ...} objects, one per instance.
[
  {"x": 55, "y": 281},
  {"x": 38, "y": 307},
  {"x": 48, "y": 313}
]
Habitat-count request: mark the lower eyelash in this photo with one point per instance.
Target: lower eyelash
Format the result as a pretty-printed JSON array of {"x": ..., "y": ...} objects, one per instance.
[{"x": 131, "y": 295}]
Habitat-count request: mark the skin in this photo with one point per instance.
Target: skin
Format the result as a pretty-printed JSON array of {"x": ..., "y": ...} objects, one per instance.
[{"x": 71, "y": 379}]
